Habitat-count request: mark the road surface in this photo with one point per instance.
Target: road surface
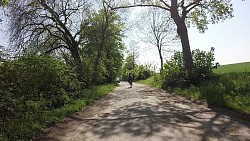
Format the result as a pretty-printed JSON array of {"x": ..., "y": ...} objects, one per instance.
[{"x": 144, "y": 113}]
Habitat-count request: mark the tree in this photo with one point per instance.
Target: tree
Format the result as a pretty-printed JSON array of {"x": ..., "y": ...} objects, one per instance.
[
  {"x": 183, "y": 12},
  {"x": 130, "y": 63},
  {"x": 104, "y": 35},
  {"x": 133, "y": 53},
  {"x": 53, "y": 24},
  {"x": 159, "y": 31},
  {"x": 4, "y": 2},
  {"x": 1, "y": 54}
]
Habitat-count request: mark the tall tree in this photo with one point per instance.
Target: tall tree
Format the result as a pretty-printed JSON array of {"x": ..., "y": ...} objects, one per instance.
[
  {"x": 54, "y": 24},
  {"x": 129, "y": 63},
  {"x": 3, "y": 3},
  {"x": 133, "y": 52},
  {"x": 104, "y": 45},
  {"x": 158, "y": 30},
  {"x": 197, "y": 12},
  {"x": 104, "y": 35}
]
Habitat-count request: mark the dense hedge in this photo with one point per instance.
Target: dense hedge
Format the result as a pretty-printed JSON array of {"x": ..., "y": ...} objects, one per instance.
[{"x": 32, "y": 84}]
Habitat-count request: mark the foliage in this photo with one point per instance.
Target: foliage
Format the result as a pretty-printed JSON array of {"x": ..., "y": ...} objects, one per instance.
[
  {"x": 175, "y": 74},
  {"x": 4, "y": 2},
  {"x": 1, "y": 54},
  {"x": 140, "y": 72},
  {"x": 239, "y": 67},
  {"x": 103, "y": 53},
  {"x": 200, "y": 13},
  {"x": 34, "y": 83},
  {"x": 28, "y": 126},
  {"x": 154, "y": 80},
  {"x": 47, "y": 24},
  {"x": 229, "y": 90},
  {"x": 203, "y": 65},
  {"x": 183, "y": 13},
  {"x": 130, "y": 62}
]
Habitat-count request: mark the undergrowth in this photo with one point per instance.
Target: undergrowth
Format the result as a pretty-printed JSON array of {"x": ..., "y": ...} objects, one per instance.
[
  {"x": 25, "y": 126},
  {"x": 231, "y": 90}
]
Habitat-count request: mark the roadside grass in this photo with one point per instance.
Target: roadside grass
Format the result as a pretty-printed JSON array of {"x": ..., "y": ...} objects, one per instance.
[
  {"x": 230, "y": 90},
  {"x": 24, "y": 127},
  {"x": 239, "y": 67},
  {"x": 154, "y": 81}
]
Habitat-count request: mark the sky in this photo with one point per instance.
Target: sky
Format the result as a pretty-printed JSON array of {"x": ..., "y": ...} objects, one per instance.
[{"x": 231, "y": 39}]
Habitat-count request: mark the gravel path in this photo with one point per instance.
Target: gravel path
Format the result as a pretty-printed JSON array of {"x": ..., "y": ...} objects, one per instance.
[{"x": 144, "y": 113}]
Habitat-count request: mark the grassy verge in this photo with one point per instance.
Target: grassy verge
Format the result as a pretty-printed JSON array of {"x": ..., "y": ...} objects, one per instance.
[
  {"x": 154, "y": 81},
  {"x": 25, "y": 126},
  {"x": 231, "y": 90}
]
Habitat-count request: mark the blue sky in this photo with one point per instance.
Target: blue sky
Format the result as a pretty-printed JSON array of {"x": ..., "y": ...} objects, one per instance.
[{"x": 230, "y": 38}]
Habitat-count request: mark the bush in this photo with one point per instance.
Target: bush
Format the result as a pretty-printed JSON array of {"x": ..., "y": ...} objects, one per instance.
[
  {"x": 229, "y": 90},
  {"x": 175, "y": 74},
  {"x": 140, "y": 72},
  {"x": 25, "y": 127},
  {"x": 32, "y": 84}
]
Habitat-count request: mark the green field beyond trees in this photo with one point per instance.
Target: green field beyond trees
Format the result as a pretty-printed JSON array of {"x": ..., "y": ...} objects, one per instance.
[{"x": 239, "y": 67}]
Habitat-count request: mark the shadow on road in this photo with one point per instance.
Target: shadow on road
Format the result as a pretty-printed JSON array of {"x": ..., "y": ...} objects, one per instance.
[
  {"x": 171, "y": 118},
  {"x": 143, "y": 119}
]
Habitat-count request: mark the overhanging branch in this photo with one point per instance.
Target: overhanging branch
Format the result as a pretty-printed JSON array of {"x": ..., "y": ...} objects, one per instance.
[
  {"x": 139, "y": 5},
  {"x": 60, "y": 46}
]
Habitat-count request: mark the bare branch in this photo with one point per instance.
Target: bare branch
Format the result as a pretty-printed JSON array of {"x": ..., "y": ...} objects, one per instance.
[
  {"x": 52, "y": 49},
  {"x": 168, "y": 6},
  {"x": 140, "y": 5},
  {"x": 192, "y": 5}
]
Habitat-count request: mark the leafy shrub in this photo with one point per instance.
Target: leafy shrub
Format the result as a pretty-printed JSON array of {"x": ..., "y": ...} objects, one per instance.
[
  {"x": 229, "y": 90},
  {"x": 203, "y": 65},
  {"x": 175, "y": 74},
  {"x": 25, "y": 127},
  {"x": 140, "y": 72},
  {"x": 35, "y": 83}
]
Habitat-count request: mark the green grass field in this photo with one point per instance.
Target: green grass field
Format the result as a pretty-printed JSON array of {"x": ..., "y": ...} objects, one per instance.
[{"x": 239, "y": 67}]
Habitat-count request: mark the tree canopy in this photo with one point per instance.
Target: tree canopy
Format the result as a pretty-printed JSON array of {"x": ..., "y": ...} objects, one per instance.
[
  {"x": 184, "y": 12},
  {"x": 4, "y": 2},
  {"x": 72, "y": 27}
]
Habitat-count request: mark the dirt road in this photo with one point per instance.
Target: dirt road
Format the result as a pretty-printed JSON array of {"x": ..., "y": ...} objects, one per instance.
[{"x": 143, "y": 113}]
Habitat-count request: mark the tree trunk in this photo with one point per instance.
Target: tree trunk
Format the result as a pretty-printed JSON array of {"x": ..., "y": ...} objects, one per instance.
[
  {"x": 161, "y": 58},
  {"x": 187, "y": 55},
  {"x": 99, "y": 55},
  {"x": 161, "y": 63},
  {"x": 109, "y": 66},
  {"x": 183, "y": 33},
  {"x": 78, "y": 62}
]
